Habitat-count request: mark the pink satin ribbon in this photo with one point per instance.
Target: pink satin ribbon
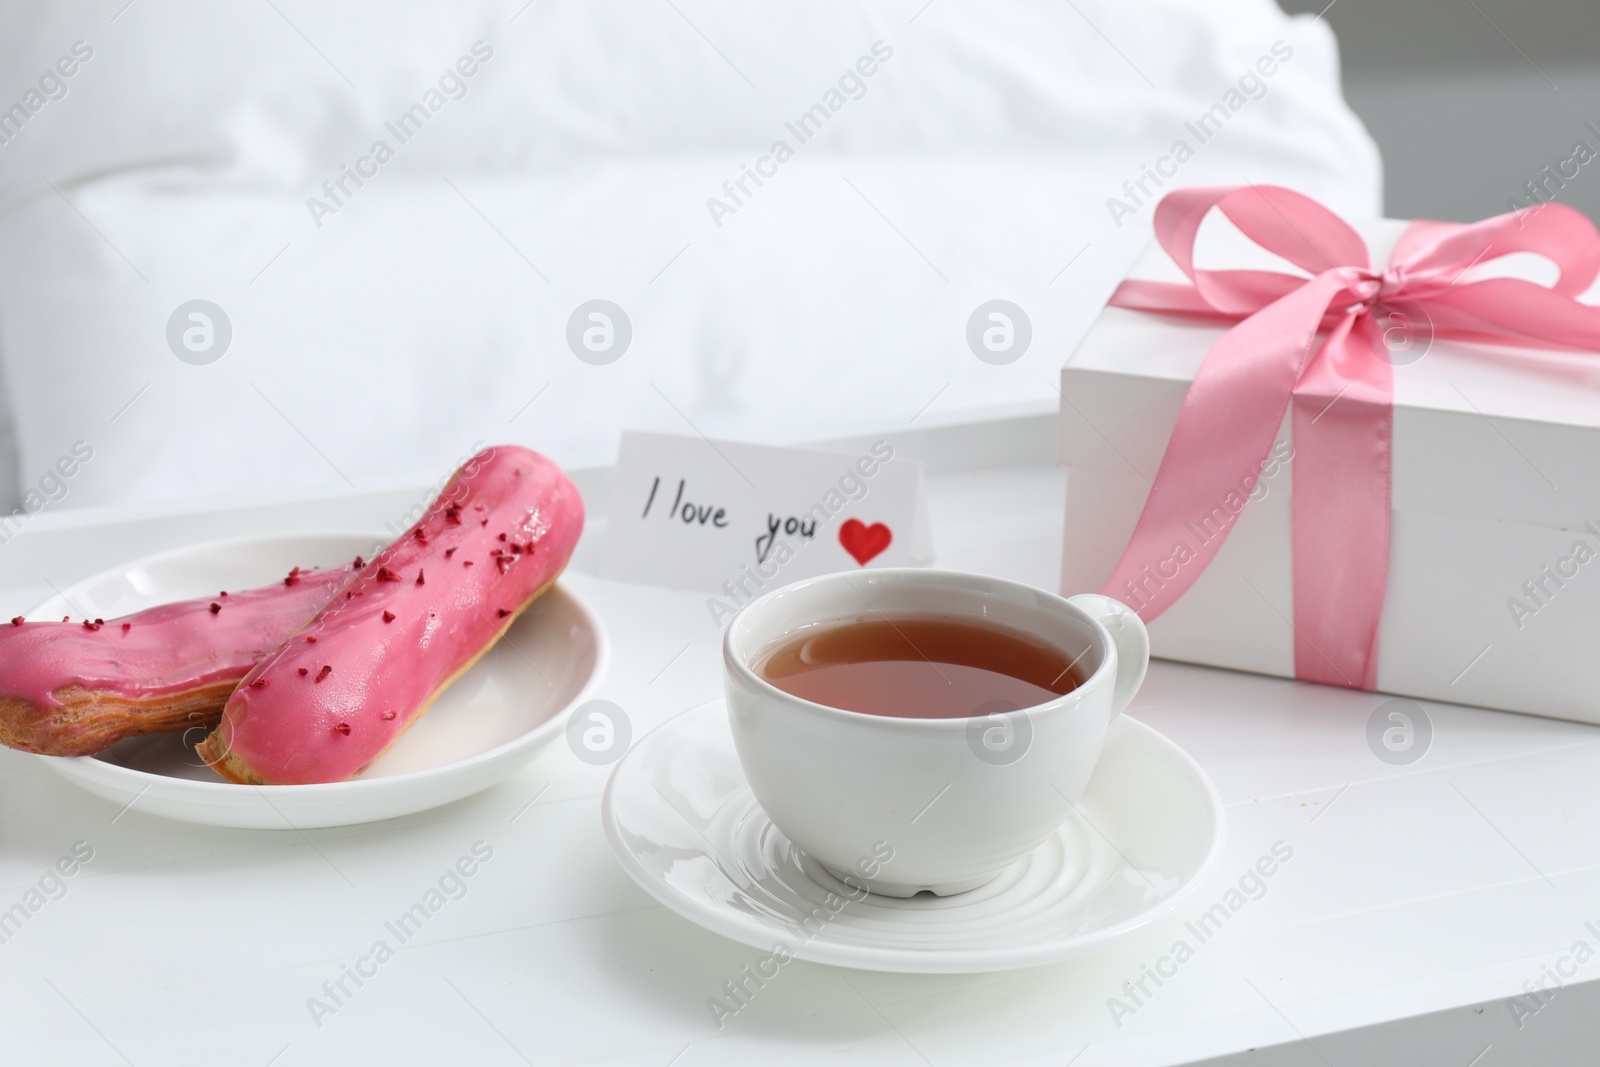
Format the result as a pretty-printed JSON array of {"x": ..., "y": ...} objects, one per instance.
[{"x": 1342, "y": 391}]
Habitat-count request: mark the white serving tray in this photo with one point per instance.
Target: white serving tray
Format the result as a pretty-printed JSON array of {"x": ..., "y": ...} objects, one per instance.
[{"x": 1418, "y": 900}]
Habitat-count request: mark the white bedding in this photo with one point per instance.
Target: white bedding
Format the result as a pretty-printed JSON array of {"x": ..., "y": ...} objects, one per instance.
[{"x": 380, "y": 331}]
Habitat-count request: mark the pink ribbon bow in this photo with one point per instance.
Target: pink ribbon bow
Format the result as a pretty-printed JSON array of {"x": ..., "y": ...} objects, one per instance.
[{"x": 1343, "y": 392}]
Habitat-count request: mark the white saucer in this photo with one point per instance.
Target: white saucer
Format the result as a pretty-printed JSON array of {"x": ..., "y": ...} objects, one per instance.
[
  {"x": 491, "y": 722},
  {"x": 684, "y": 824}
]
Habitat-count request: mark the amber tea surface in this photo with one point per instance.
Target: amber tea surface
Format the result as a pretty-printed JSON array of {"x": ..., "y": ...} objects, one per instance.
[{"x": 919, "y": 667}]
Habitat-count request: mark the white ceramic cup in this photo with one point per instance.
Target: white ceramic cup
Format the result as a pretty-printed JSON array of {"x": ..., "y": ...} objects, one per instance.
[{"x": 903, "y": 805}]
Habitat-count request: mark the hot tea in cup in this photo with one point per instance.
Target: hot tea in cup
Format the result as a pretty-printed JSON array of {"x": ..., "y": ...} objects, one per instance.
[
  {"x": 918, "y": 666},
  {"x": 949, "y": 720}
]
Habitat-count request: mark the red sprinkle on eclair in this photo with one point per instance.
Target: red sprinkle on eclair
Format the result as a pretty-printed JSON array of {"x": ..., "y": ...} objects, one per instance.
[
  {"x": 343, "y": 728},
  {"x": 388, "y": 616},
  {"x": 419, "y": 577},
  {"x": 215, "y": 607},
  {"x": 17, "y": 620},
  {"x": 326, "y": 670}
]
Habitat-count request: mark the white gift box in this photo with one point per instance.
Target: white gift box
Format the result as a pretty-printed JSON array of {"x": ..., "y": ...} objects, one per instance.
[{"x": 1494, "y": 562}]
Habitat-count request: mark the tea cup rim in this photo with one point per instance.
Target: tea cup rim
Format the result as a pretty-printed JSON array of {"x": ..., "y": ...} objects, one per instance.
[{"x": 1103, "y": 674}]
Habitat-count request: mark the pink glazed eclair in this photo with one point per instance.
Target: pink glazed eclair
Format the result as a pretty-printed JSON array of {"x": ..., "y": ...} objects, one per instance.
[
  {"x": 340, "y": 692},
  {"x": 73, "y": 689}
]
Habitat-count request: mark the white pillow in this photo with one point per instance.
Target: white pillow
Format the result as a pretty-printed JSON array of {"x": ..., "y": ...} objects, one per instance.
[{"x": 567, "y": 151}]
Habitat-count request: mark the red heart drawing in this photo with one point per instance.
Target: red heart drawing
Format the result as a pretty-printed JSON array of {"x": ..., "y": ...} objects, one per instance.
[{"x": 862, "y": 541}]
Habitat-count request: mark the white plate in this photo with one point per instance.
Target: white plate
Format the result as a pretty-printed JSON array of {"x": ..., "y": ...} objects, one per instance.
[
  {"x": 681, "y": 819},
  {"x": 491, "y": 722}
]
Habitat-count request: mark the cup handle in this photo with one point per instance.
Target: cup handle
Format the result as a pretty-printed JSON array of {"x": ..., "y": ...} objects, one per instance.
[{"x": 1128, "y": 634}]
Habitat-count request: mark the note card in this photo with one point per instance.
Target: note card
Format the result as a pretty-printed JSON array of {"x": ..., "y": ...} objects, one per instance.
[{"x": 735, "y": 520}]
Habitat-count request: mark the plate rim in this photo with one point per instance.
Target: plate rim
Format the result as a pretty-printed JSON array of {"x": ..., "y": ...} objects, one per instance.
[
  {"x": 914, "y": 961},
  {"x": 90, "y": 769}
]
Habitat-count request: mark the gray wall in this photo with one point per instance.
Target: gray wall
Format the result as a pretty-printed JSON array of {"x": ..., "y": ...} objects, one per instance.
[{"x": 1469, "y": 103}]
